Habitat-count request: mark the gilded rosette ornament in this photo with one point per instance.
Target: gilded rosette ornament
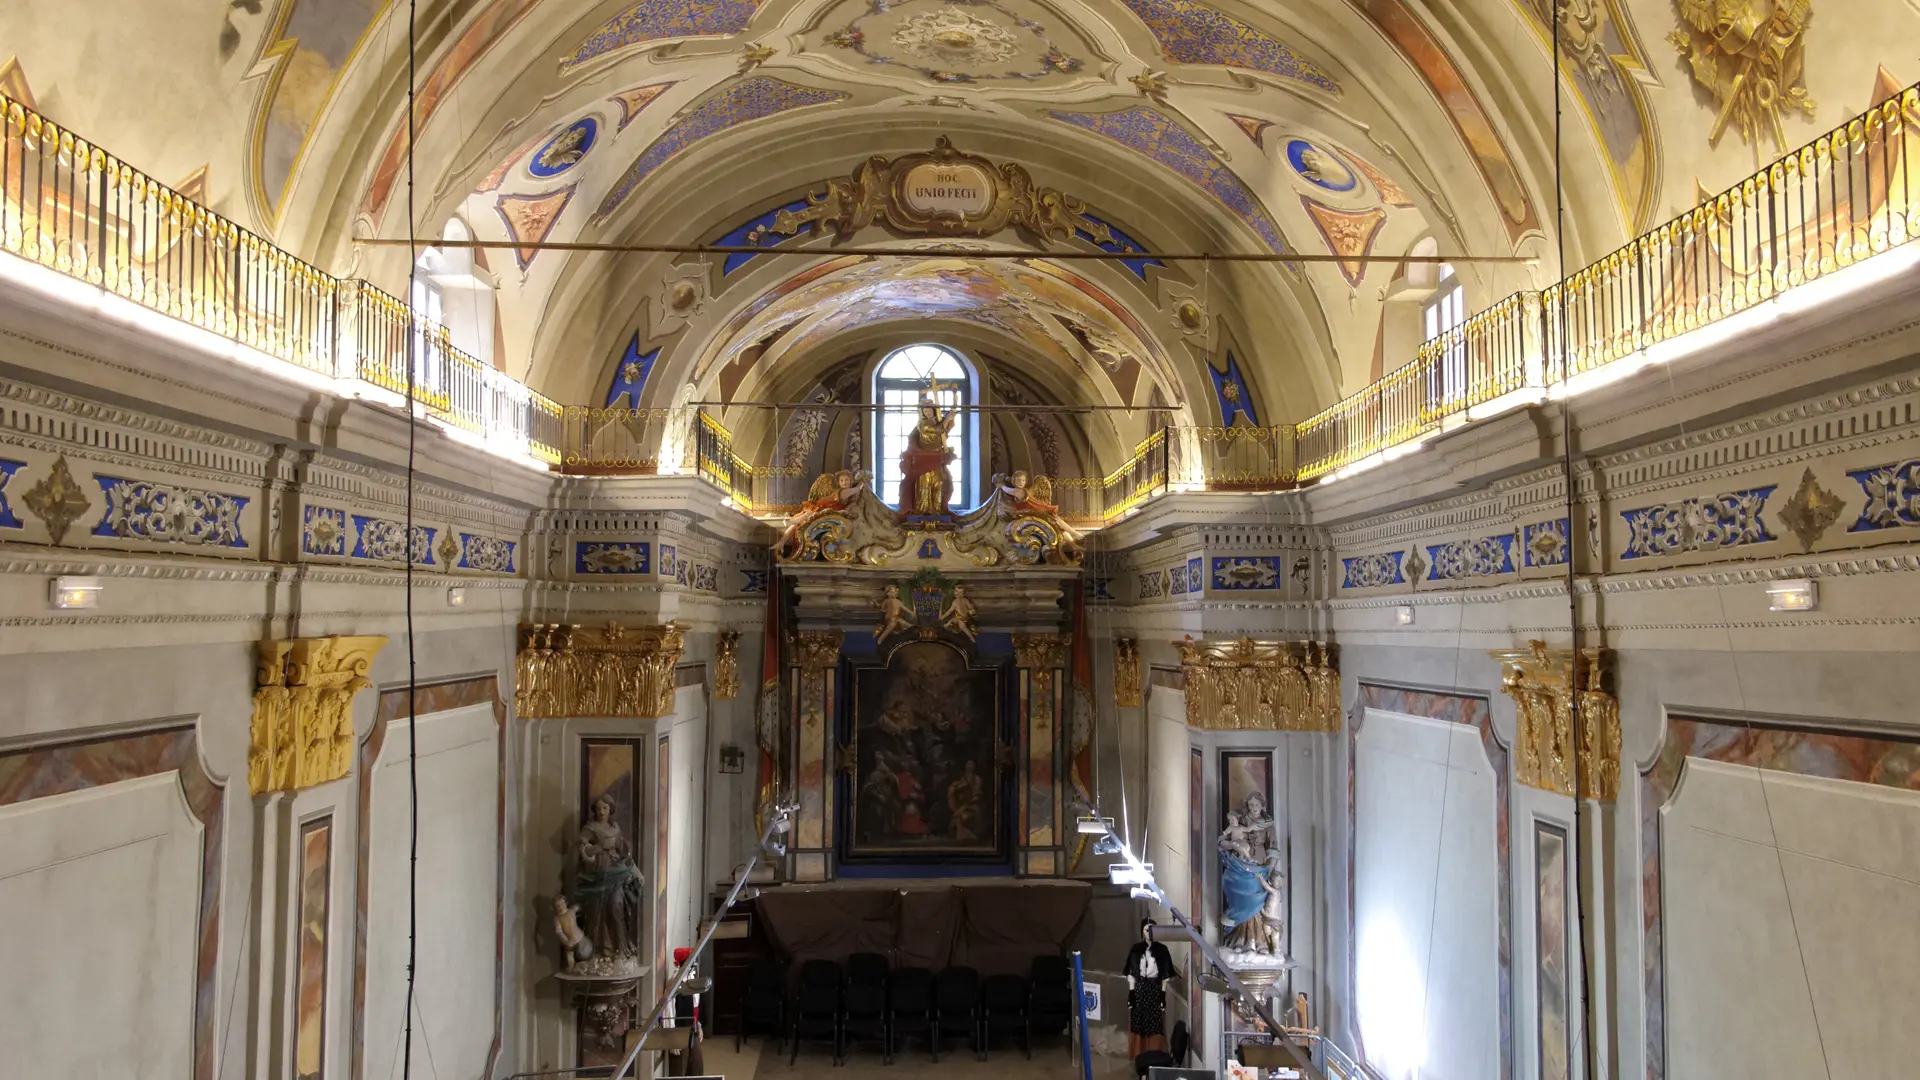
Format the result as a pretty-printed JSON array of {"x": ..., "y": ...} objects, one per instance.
[
  {"x": 302, "y": 729},
  {"x": 1545, "y": 686},
  {"x": 567, "y": 671},
  {"x": 1126, "y": 672},
  {"x": 726, "y": 665},
  {"x": 1249, "y": 685}
]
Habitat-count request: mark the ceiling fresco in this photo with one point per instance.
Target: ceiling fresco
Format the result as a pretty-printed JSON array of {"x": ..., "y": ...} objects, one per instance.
[{"x": 660, "y": 20}]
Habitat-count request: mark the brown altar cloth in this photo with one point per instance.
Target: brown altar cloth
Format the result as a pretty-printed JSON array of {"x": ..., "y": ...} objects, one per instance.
[{"x": 994, "y": 928}]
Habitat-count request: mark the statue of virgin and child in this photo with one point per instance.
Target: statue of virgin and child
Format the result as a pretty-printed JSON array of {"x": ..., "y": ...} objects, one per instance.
[
  {"x": 1253, "y": 884},
  {"x": 598, "y": 917}
]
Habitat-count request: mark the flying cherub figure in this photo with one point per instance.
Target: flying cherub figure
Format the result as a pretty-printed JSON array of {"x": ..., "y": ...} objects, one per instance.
[{"x": 894, "y": 615}]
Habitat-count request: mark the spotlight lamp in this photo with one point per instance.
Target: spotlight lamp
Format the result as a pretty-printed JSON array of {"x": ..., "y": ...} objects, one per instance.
[
  {"x": 456, "y": 597},
  {"x": 1094, "y": 826},
  {"x": 1141, "y": 892},
  {"x": 1125, "y": 874}
]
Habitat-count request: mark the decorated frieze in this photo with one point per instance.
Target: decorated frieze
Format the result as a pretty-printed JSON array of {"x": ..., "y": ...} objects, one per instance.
[
  {"x": 8, "y": 520},
  {"x": 1558, "y": 702},
  {"x": 754, "y": 581},
  {"x": 1893, "y": 496},
  {"x": 301, "y": 733},
  {"x": 1153, "y": 585},
  {"x": 486, "y": 554},
  {"x": 1376, "y": 571},
  {"x": 1545, "y": 543},
  {"x": 385, "y": 540},
  {"x": 1248, "y": 573},
  {"x": 565, "y": 671},
  {"x": 1248, "y": 685},
  {"x": 165, "y": 513},
  {"x": 1707, "y": 523},
  {"x": 1461, "y": 560},
  {"x": 613, "y": 557}
]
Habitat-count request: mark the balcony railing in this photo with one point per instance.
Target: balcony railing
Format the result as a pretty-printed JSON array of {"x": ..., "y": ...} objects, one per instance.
[
  {"x": 1846, "y": 197},
  {"x": 74, "y": 208}
]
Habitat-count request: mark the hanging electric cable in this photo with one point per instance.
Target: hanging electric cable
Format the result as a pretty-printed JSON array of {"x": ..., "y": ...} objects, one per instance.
[{"x": 413, "y": 429}]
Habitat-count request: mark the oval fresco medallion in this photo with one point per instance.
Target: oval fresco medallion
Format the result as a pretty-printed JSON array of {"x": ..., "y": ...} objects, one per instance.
[
  {"x": 1320, "y": 166},
  {"x": 564, "y": 150}
]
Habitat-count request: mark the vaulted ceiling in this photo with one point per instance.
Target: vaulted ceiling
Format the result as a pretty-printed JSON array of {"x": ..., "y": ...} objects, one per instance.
[{"x": 1350, "y": 128}]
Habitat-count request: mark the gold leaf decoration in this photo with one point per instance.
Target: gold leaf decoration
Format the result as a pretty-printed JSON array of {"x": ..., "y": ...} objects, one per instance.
[
  {"x": 301, "y": 734},
  {"x": 1249, "y": 685},
  {"x": 1811, "y": 511}
]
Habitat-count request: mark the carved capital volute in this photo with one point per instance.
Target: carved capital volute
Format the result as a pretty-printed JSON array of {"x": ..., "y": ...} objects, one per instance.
[
  {"x": 817, "y": 650},
  {"x": 1041, "y": 652}
]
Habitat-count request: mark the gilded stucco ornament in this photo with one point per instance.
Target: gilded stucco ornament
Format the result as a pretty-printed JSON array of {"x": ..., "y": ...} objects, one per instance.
[
  {"x": 1751, "y": 55},
  {"x": 940, "y": 192},
  {"x": 726, "y": 665},
  {"x": 1126, "y": 672},
  {"x": 1544, "y": 684},
  {"x": 1811, "y": 511},
  {"x": 1248, "y": 685},
  {"x": 57, "y": 500},
  {"x": 567, "y": 671},
  {"x": 301, "y": 734}
]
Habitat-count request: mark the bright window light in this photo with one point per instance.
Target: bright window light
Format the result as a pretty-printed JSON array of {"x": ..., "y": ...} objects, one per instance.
[{"x": 1391, "y": 995}]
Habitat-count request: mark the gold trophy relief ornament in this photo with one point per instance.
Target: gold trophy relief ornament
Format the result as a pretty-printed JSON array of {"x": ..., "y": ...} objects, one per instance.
[{"x": 1751, "y": 56}]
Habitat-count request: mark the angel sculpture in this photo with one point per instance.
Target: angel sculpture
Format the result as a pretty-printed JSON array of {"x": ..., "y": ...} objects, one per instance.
[
  {"x": 895, "y": 616},
  {"x": 832, "y": 492},
  {"x": 960, "y": 615}
]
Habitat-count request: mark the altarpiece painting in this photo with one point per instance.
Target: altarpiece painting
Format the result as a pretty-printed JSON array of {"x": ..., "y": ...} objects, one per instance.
[{"x": 923, "y": 749}]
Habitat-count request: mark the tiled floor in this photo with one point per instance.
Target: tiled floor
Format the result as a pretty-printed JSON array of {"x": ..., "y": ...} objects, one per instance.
[{"x": 1049, "y": 1062}]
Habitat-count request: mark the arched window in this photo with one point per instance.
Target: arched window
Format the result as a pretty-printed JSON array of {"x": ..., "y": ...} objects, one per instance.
[{"x": 897, "y": 383}]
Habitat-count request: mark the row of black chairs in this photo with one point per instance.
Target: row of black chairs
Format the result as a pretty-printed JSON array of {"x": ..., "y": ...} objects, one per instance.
[{"x": 867, "y": 1001}]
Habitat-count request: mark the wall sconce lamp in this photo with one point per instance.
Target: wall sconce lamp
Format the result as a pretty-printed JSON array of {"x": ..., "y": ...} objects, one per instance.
[
  {"x": 1797, "y": 595},
  {"x": 68, "y": 593},
  {"x": 1403, "y": 614},
  {"x": 732, "y": 759},
  {"x": 456, "y": 597}
]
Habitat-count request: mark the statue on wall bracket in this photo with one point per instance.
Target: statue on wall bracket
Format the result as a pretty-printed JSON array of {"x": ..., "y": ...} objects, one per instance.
[
  {"x": 1252, "y": 887},
  {"x": 941, "y": 192}
]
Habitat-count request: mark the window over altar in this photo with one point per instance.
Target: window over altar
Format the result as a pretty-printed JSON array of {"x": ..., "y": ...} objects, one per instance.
[{"x": 897, "y": 384}]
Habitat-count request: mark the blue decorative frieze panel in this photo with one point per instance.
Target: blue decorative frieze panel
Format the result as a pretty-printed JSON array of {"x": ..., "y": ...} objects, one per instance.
[
  {"x": 380, "y": 540},
  {"x": 323, "y": 530},
  {"x": 1489, "y": 556},
  {"x": 669, "y": 560},
  {"x": 1177, "y": 580},
  {"x": 610, "y": 558},
  {"x": 1100, "y": 588},
  {"x": 1196, "y": 577},
  {"x": 8, "y": 519},
  {"x": 1153, "y": 585},
  {"x": 754, "y": 581},
  {"x": 706, "y": 578},
  {"x": 168, "y": 514},
  {"x": 1893, "y": 496},
  {"x": 1373, "y": 571},
  {"x": 1545, "y": 543},
  {"x": 1713, "y": 523},
  {"x": 1259, "y": 572},
  {"x": 486, "y": 554}
]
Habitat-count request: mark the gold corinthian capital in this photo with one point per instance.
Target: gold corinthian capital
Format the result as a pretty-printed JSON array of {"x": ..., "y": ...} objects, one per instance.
[
  {"x": 302, "y": 727},
  {"x": 567, "y": 671},
  {"x": 1248, "y": 685},
  {"x": 1545, "y": 685}
]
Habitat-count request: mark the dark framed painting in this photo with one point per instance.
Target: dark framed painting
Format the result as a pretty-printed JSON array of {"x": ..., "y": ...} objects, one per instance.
[
  {"x": 1550, "y": 944},
  {"x": 920, "y": 757}
]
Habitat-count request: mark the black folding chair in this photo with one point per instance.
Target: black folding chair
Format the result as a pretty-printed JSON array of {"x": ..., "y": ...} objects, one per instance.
[
  {"x": 909, "y": 1007},
  {"x": 765, "y": 1007},
  {"x": 956, "y": 1007},
  {"x": 1003, "y": 1009},
  {"x": 1050, "y": 1006},
  {"x": 816, "y": 1012},
  {"x": 864, "y": 1016},
  {"x": 867, "y": 968}
]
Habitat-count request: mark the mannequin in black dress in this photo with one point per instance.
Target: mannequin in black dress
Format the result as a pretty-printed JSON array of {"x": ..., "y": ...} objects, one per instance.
[{"x": 1149, "y": 966}]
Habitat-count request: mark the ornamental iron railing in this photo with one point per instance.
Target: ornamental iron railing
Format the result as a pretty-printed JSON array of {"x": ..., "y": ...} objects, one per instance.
[{"x": 1847, "y": 196}]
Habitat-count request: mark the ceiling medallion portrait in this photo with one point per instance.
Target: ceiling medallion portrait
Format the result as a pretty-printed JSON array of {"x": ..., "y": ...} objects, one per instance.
[{"x": 953, "y": 41}]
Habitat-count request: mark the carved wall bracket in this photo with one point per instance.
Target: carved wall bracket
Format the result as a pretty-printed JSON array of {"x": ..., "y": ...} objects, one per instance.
[
  {"x": 1543, "y": 684},
  {"x": 1249, "y": 685},
  {"x": 302, "y": 728},
  {"x": 569, "y": 671},
  {"x": 726, "y": 665},
  {"x": 1126, "y": 672}
]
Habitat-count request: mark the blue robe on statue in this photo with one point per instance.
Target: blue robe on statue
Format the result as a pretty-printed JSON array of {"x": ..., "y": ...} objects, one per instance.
[{"x": 1241, "y": 893}]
